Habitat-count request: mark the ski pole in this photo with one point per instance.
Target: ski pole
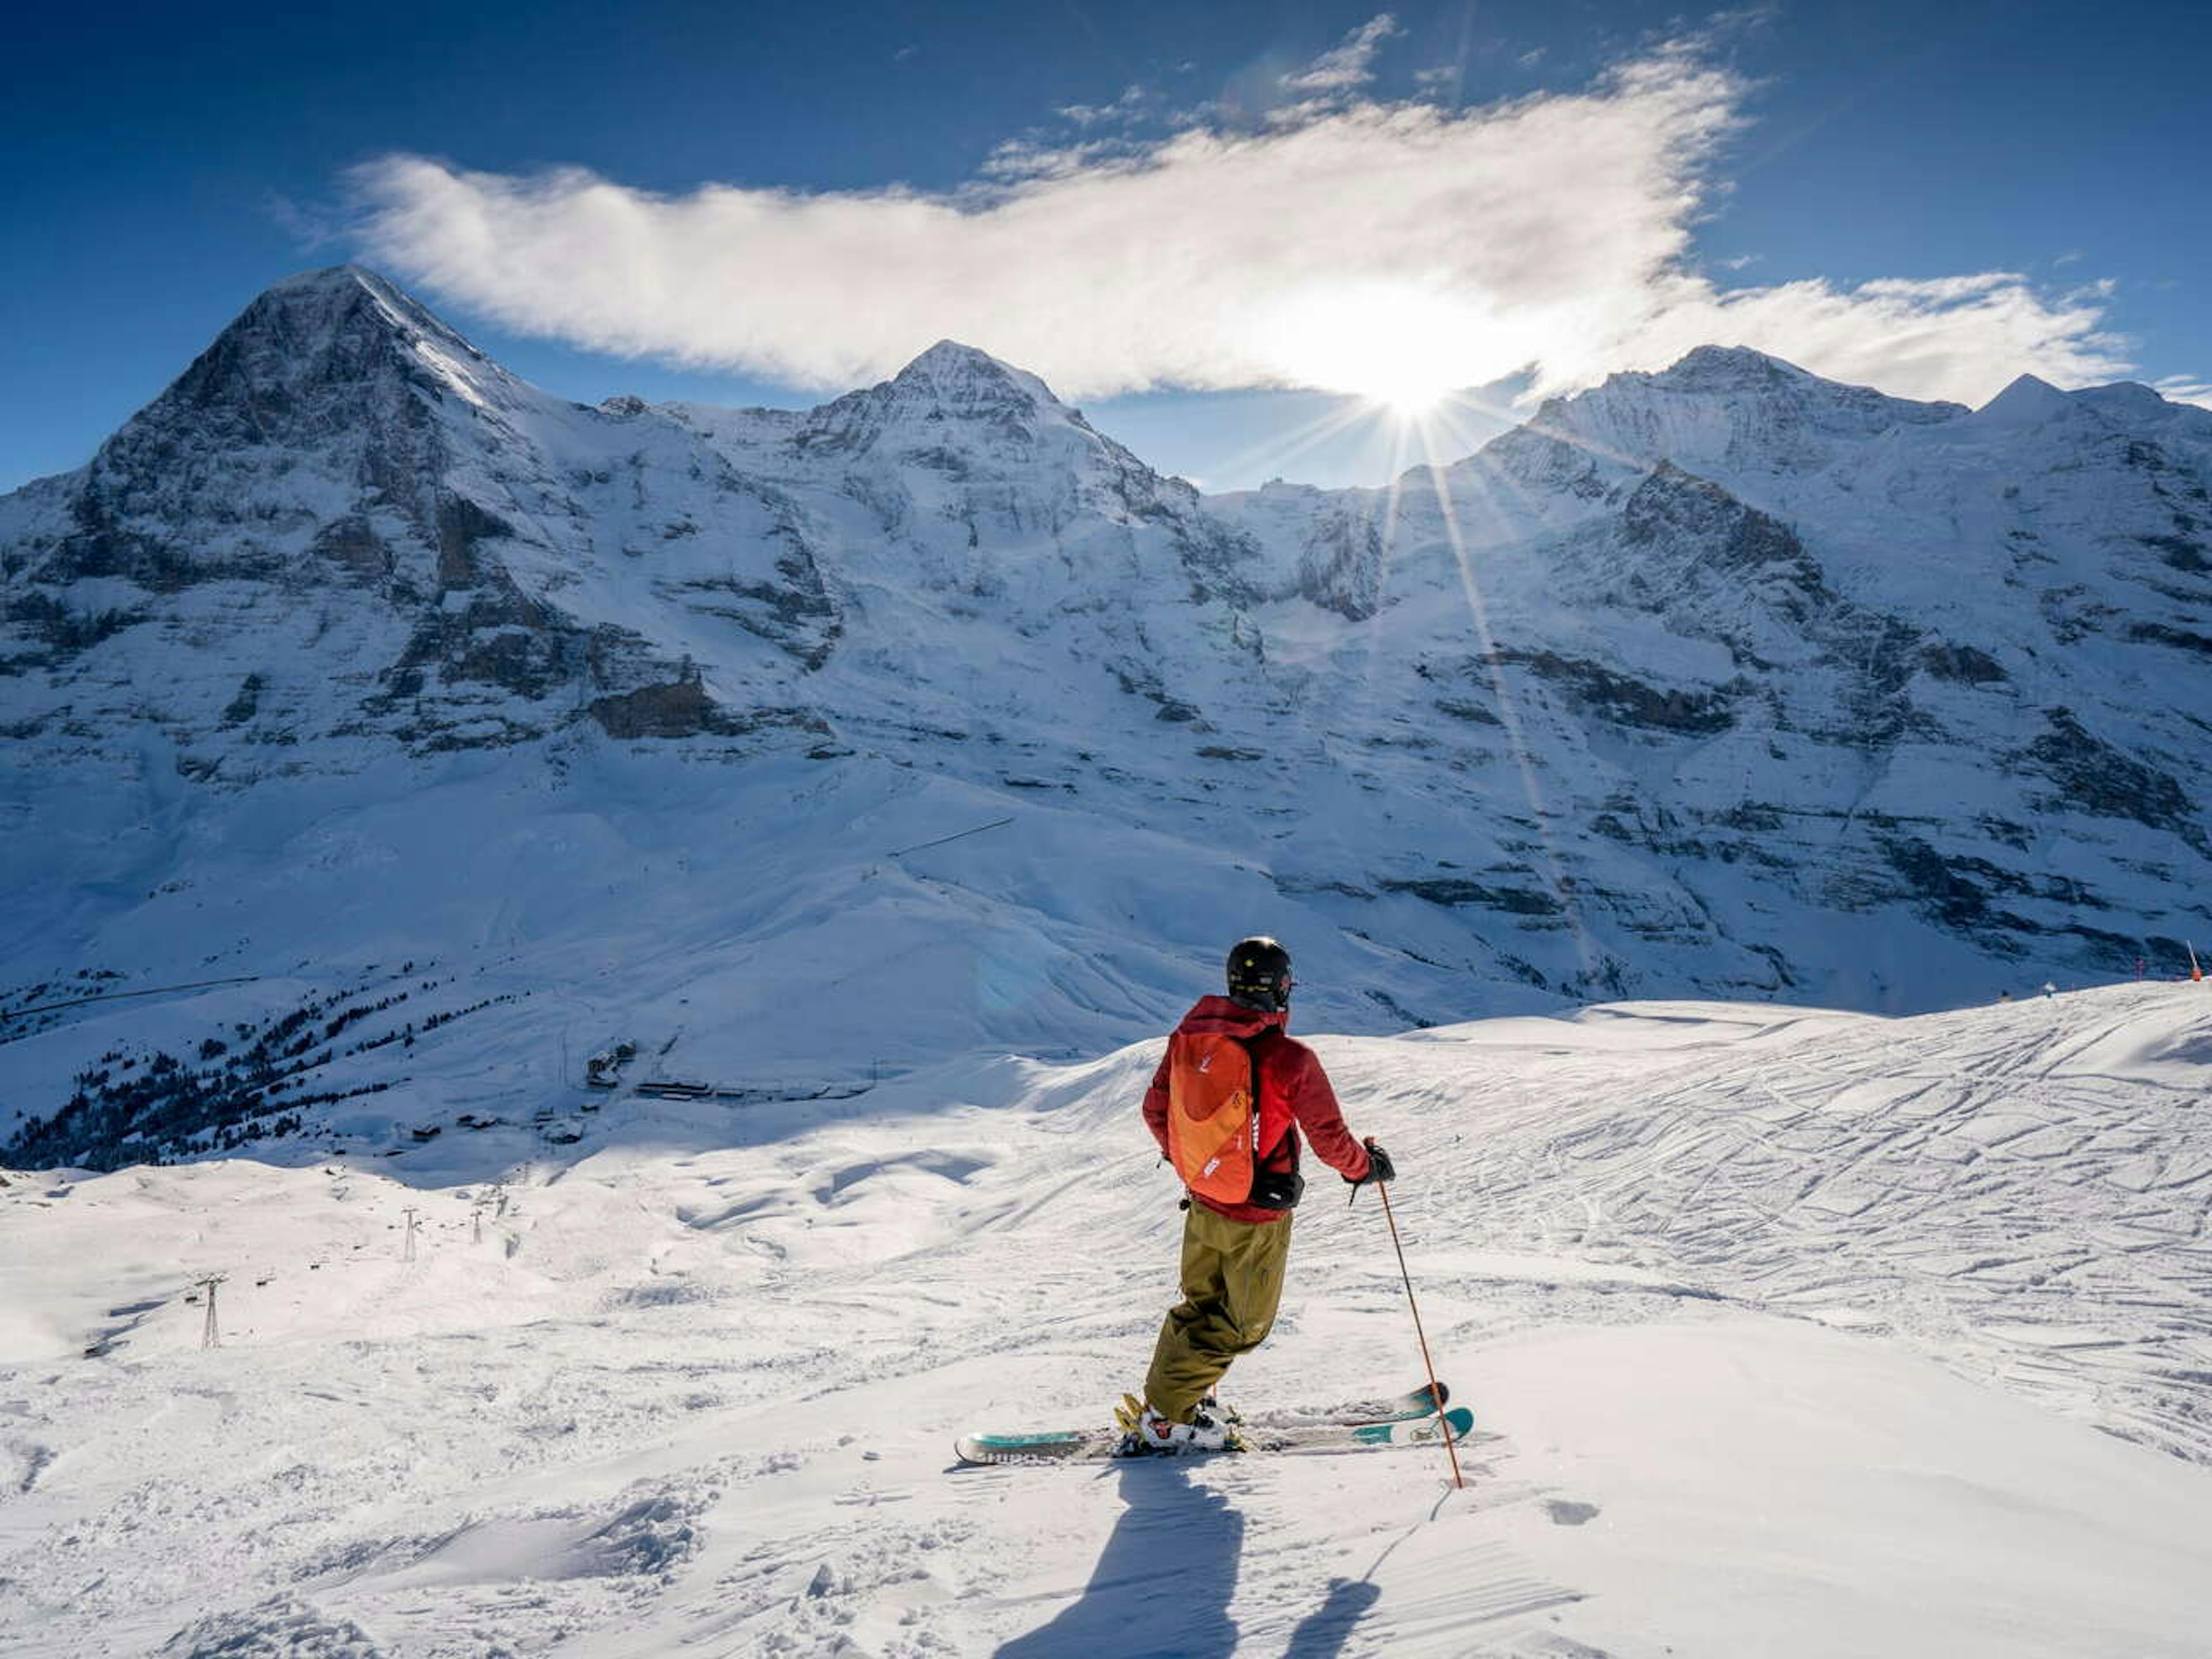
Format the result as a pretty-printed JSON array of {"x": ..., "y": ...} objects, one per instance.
[{"x": 1458, "y": 1480}]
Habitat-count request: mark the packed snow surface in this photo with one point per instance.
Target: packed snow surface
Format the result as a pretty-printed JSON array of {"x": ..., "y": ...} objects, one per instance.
[{"x": 1786, "y": 1331}]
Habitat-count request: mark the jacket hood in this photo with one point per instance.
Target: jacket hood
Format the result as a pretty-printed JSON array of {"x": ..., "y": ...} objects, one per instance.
[{"x": 1219, "y": 1017}]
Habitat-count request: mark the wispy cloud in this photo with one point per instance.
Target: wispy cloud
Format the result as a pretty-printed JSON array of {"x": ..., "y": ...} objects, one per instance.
[
  {"x": 1961, "y": 338},
  {"x": 1036, "y": 158},
  {"x": 1349, "y": 63},
  {"x": 310, "y": 225},
  {"x": 1551, "y": 233},
  {"x": 1136, "y": 100},
  {"x": 2186, "y": 389}
]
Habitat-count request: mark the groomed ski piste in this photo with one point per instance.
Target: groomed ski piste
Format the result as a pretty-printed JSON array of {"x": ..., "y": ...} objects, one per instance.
[{"x": 1785, "y": 1331}]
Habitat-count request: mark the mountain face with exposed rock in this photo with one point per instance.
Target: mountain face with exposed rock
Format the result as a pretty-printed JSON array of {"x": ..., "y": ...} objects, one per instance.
[{"x": 1725, "y": 679}]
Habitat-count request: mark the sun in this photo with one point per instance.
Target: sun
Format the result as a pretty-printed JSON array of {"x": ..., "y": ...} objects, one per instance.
[
  {"x": 1402, "y": 350},
  {"x": 1409, "y": 398}
]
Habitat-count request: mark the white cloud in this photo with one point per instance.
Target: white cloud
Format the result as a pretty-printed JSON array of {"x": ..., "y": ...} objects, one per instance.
[
  {"x": 2186, "y": 389},
  {"x": 1551, "y": 233},
  {"x": 1960, "y": 338},
  {"x": 1134, "y": 101},
  {"x": 1032, "y": 158},
  {"x": 1349, "y": 63}
]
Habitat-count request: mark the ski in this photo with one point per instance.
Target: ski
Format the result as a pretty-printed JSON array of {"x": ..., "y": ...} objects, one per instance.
[
  {"x": 1395, "y": 1409},
  {"x": 1099, "y": 1445},
  {"x": 1059, "y": 1445}
]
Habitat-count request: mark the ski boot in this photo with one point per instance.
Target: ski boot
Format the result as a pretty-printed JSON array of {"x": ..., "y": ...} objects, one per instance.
[
  {"x": 1146, "y": 1433},
  {"x": 1132, "y": 1409}
]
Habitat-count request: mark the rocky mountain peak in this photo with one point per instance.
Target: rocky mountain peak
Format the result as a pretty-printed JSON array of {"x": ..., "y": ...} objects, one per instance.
[
  {"x": 955, "y": 400},
  {"x": 331, "y": 391},
  {"x": 1739, "y": 371},
  {"x": 1711, "y": 368},
  {"x": 1731, "y": 408},
  {"x": 2127, "y": 400},
  {"x": 342, "y": 331},
  {"x": 342, "y": 283},
  {"x": 2027, "y": 401},
  {"x": 954, "y": 371}
]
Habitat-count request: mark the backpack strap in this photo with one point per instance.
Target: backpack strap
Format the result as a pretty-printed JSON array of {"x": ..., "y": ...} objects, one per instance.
[
  {"x": 1251, "y": 1046},
  {"x": 1276, "y": 1183}
]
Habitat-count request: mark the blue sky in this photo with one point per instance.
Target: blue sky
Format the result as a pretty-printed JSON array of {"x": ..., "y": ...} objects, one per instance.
[{"x": 1213, "y": 202}]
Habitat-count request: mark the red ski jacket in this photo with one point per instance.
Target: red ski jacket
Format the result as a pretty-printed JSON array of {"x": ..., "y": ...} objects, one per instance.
[{"x": 1293, "y": 1088}]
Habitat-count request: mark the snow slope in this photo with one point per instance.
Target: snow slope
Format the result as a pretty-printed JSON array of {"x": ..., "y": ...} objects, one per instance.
[{"x": 1787, "y": 1331}]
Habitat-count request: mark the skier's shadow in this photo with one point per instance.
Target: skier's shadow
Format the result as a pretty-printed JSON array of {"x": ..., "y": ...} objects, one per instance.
[
  {"x": 1162, "y": 1587},
  {"x": 1322, "y": 1633}
]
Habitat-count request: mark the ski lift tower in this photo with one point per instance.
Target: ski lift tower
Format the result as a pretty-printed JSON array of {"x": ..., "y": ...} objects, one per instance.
[{"x": 209, "y": 1336}]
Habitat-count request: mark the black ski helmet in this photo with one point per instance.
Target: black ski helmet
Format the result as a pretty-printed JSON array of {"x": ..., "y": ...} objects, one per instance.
[{"x": 1260, "y": 974}]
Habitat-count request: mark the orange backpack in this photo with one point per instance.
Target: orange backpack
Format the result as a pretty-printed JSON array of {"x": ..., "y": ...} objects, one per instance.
[{"x": 1214, "y": 1115}]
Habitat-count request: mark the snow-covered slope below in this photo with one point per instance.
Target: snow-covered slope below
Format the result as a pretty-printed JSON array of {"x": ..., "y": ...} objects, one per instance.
[{"x": 1785, "y": 1331}]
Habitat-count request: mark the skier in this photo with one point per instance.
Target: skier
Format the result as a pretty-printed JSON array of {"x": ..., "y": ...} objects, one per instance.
[{"x": 1224, "y": 1106}]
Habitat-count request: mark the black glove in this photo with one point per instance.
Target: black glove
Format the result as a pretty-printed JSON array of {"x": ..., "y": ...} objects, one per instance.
[{"x": 1379, "y": 1167}]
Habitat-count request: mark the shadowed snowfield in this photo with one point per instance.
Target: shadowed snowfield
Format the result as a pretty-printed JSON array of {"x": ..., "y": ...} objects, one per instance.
[{"x": 1786, "y": 1331}]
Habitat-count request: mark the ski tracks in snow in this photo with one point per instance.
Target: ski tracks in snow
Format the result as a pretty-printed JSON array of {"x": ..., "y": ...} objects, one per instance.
[
  {"x": 708, "y": 1410},
  {"x": 1966, "y": 1184}
]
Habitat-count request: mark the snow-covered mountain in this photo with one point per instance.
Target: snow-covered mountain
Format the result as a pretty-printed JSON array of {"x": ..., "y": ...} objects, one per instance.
[
  {"x": 1922, "y": 685},
  {"x": 352, "y": 651}
]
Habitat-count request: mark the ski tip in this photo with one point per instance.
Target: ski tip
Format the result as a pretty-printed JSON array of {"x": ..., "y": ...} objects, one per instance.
[
  {"x": 1054, "y": 1447},
  {"x": 1456, "y": 1423}
]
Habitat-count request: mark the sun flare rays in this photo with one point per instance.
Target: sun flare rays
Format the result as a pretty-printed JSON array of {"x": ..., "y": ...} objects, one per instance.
[
  {"x": 1432, "y": 433},
  {"x": 1402, "y": 347}
]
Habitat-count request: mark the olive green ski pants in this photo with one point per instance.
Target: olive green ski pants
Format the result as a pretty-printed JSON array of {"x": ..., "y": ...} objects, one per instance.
[{"x": 1232, "y": 1280}]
